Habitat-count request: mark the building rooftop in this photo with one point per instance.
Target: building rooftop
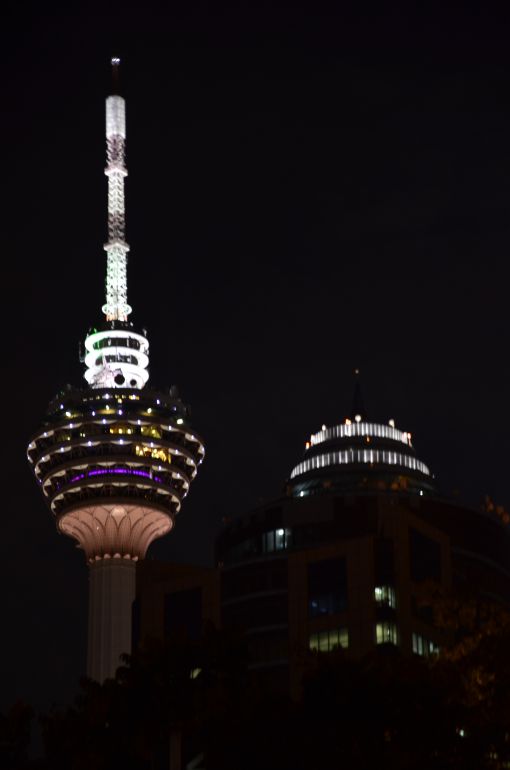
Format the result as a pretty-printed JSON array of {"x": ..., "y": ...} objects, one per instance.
[{"x": 359, "y": 455}]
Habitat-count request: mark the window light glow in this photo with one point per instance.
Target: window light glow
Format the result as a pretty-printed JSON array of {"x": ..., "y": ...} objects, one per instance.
[
  {"x": 386, "y": 633},
  {"x": 155, "y": 454},
  {"x": 385, "y": 596},
  {"x": 423, "y": 646},
  {"x": 328, "y": 640}
]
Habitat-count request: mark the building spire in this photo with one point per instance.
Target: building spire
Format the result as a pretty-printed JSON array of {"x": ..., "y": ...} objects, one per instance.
[
  {"x": 116, "y": 355},
  {"x": 116, "y": 307},
  {"x": 115, "y": 62},
  {"x": 358, "y": 404}
]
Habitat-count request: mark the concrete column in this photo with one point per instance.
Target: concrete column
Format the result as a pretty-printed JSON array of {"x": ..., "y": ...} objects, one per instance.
[{"x": 112, "y": 587}]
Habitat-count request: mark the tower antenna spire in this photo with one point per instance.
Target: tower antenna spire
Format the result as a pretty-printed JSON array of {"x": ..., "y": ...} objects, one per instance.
[
  {"x": 115, "y": 62},
  {"x": 116, "y": 307},
  {"x": 116, "y": 355},
  {"x": 358, "y": 410}
]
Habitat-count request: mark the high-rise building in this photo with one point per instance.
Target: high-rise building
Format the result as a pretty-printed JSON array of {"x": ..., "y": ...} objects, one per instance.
[
  {"x": 348, "y": 556},
  {"x": 115, "y": 459}
]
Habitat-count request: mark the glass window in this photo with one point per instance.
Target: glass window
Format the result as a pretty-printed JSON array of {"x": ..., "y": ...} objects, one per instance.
[
  {"x": 386, "y": 633},
  {"x": 423, "y": 646},
  {"x": 327, "y": 587},
  {"x": 280, "y": 539},
  {"x": 120, "y": 428},
  {"x": 276, "y": 540},
  {"x": 330, "y": 639},
  {"x": 385, "y": 596},
  {"x": 268, "y": 542},
  {"x": 151, "y": 430}
]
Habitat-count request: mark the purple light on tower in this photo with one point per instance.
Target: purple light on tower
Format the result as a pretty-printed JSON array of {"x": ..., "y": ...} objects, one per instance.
[{"x": 110, "y": 471}]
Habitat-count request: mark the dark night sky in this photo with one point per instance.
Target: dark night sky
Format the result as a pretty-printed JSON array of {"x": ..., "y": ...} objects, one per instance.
[{"x": 308, "y": 191}]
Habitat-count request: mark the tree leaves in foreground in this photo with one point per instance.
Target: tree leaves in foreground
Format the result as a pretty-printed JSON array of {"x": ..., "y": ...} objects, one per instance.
[{"x": 387, "y": 710}]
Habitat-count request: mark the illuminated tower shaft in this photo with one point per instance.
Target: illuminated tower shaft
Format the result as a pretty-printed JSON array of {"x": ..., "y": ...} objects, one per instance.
[
  {"x": 112, "y": 589},
  {"x": 116, "y": 307}
]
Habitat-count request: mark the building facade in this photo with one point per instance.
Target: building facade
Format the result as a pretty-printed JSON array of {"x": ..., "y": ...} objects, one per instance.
[{"x": 346, "y": 557}]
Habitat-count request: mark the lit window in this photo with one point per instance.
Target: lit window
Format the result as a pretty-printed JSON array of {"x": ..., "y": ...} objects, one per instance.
[
  {"x": 280, "y": 539},
  {"x": 276, "y": 540},
  {"x": 121, "y": 429},
  {"x": 325, "y": 641},
  {"x": 386, "y": 633},
  {"x": 423, "y": 646},
  {"x": 151, "y": 430},
  {"x": 154, "y": 453},
  {"x": 385, "y": 596}
]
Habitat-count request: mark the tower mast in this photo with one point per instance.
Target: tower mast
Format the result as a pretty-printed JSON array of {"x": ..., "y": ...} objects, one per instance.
[
  {"x": 116, "y": 307},
  {"x": 116, "y": 356}
]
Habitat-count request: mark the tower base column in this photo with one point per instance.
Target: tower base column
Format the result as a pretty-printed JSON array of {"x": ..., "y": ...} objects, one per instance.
[{"x": 112, "y": 589}]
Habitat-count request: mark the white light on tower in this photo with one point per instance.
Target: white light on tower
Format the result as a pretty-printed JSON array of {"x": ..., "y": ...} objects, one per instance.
[{"x": 116, "y": 356}]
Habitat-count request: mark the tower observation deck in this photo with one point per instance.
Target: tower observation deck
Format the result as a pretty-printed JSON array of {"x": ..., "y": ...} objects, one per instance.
[{"x": 114, "y": 460}]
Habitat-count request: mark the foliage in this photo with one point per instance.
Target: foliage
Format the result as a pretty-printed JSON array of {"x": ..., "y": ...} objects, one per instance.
[
  {"x": 386, "y": 710},
  {"x": 127, "y": 721}
]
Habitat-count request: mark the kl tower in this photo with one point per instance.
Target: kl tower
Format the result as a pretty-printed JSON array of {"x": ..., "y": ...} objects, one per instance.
[{"x": 114, "y": 459}]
